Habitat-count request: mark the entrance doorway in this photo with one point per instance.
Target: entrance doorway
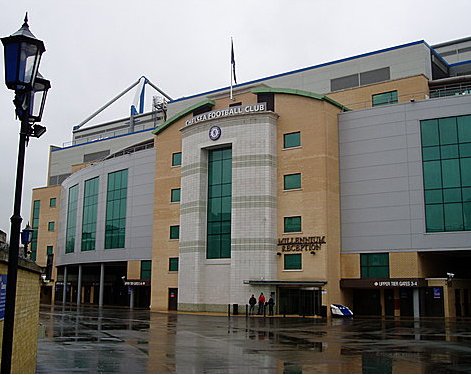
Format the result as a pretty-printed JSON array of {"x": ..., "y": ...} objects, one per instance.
[
  {"x": 172, "y": 299},
  {"x": 300, "y": 301}
]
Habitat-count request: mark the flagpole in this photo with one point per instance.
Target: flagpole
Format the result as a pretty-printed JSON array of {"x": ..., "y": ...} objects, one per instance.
[{"x": 231, "y": 69}]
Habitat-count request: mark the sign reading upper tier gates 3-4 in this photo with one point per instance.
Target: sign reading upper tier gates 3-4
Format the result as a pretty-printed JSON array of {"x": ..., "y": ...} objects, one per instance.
[
  {"x": 3, "y": 295},
  {"x": 227, "y": 112}
]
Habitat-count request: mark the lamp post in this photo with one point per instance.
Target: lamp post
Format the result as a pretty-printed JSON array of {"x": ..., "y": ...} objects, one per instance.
[
  {"x": 22, "y": 57},
  {"x": 26, "y": 237}
]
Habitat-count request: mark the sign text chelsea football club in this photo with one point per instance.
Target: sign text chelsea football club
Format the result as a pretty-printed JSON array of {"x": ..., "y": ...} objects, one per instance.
[{"x": 231, "y": 111}]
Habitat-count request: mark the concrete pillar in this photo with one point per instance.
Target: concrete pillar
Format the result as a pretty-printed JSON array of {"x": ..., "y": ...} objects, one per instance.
[
  {"x": 64, "y": 288},
  {"x": 131, "y": 297},
  {"x": 79, "y": 285},
  {"x": 102, "y": 282},
  {"x": 416, "y": 302},
  {"x": 397, "y": 302}
]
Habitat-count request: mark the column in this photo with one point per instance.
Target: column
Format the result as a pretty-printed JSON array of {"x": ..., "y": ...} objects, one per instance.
[
  {"x": 64, "y": 288},
  {"x": 416, "y": 302},
  {"x": 102, "y": 282},
  {"x": 131, "y": 297},
  {"x": 79, "y": 285}
]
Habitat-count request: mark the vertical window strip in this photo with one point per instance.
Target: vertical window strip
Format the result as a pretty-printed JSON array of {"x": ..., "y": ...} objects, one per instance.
[
  {"x": 89, "y": 218},
  {"x": 35, "y": 227},
  {"x": 446, "y": 161},
  {"x": 116, "y": 200},
  {"x": 219, "y": 204},
  {"x": 71, "y": 219}
]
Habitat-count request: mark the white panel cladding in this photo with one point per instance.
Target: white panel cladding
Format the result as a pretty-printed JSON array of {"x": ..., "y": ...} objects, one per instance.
[
  {"x": 139, "y": 210},
  {"x": 382, "y": 198},
  {"x": 204, "y": 281}
]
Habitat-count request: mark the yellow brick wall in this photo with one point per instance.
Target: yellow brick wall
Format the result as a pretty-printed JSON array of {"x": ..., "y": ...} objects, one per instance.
[
  {"x": 361, "y": 97},
  {"x": 350, "y": 266},
  {"x": 403, "y": 265},
  {"x": 25, "y": 342}
]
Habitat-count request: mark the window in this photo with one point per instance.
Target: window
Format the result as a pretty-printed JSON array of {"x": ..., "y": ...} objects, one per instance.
[
  {"x": 116, "y": 200},
  {"x": 71, "y": 219},
  {"x": 292, "y": 261},
  {"x": 292, "y": 140},
  {"x": 446, "y": 166},
  {"x": 176, "y": 159},
  {"x": 146, "y": 269},
  {"x": 219, "y": 204},
  {"x": 89, "y": 219},
  {"x": 384, "y": 98},
  {"x": 173, "y": 264},
  {"x": 50, "y": 226},
  {"x": 292, "y": 224},
  {"x": 52, "y": 202},
  {"x": 174, "y": 232},
  {"x": 374, "y": 265},
  {"x": 175, "y": 195},
  {"x": 35, "y": 226},
  {"x": 292, "y": 181},
  {"x": 49, "y": 250}
]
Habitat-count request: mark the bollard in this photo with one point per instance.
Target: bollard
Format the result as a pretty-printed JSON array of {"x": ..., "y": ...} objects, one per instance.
[
  {"x": 229, "y": 310},
  {"x": 264, "y": 311},
  {"x": 246, "y": 310}
]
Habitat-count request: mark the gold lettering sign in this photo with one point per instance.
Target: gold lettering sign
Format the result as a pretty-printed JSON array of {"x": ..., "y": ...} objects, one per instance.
[{"x": 301, "y": 243}]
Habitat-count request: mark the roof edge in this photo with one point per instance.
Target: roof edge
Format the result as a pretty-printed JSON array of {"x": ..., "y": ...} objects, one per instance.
[{"x": 303, "y": 93}]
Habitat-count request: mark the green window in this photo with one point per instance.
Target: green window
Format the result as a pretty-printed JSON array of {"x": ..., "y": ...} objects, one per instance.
[
  {"x": 52, "y": 202},
  {"x": 292, "y": 181},
  {"x": 374, "y": 265},
  {"x": 175, "y": 195},
  {"x": 446, "y": 165},
  {"x": 49, "y": 250},
  {"x": 71, "y": 219},
  {"x": 35, "y": 226},
  {"x": 173, "y": 264},
  {"x": 389, "y": 97},
  {"x": 116, "y": 200},
  {"x": 292, "y": 262},
  {"x": 51, "y": 226},
  {"x": 292, "y": 140},
  {"x": 146, "y": 269},
  {"x": 219, "y": 203},
  {"x": 292, "y": 224},
  {"x": 89, "y": 219},
  {"x": 176, "y": 159},
  {"x": 174, "y": 232}
]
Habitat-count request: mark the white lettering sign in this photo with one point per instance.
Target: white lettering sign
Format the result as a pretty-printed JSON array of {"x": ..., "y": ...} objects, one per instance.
[{"x": 231, "y": 111}]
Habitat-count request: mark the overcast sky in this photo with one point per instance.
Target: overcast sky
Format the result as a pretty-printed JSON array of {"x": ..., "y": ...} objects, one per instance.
[{"x": 97, "y": 48}]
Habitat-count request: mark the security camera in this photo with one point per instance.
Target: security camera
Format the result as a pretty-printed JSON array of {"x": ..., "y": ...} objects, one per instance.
[{"x": 450, "y": 275}]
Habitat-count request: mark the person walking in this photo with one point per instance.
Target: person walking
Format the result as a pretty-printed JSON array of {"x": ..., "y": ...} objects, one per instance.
[
  {"x": 261, "y": 304},
  {"x": 252, "y": 303},
  {"x": 271, "y": 304}
]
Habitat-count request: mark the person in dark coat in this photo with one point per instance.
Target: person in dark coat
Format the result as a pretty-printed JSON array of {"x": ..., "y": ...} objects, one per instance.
[
  {"x": 252, "y": 303},
  {"x": 271, "y": 304}
]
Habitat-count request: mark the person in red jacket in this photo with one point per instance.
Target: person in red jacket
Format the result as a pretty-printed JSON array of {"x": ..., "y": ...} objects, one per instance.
[{"x": 261, "y": 303}]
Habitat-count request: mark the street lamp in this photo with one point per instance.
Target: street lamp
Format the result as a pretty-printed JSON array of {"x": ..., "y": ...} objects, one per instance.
[
  {"x": 22, "y": 57},
  {"x": 26, "y": 237}
]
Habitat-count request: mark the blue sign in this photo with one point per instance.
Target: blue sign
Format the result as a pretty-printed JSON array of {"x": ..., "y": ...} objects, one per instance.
[
  {"x": 3, "y": 295},
  {"x": 437, "y": 293}
]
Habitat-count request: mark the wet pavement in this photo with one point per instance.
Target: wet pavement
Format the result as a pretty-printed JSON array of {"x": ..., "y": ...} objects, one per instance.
[{"x": 90, "y": 340}]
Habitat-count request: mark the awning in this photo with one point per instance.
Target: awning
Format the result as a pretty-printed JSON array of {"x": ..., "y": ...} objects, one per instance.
[{"x": 303, "y": 283}]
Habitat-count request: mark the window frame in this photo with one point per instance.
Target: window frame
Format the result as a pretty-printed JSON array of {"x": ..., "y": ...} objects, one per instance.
[
  {"x": 299, "y": 256},
  {"x": 176, "y": 163},
  {"x": 173, "y": 197},
  {"x": 172, "y": 229},
  {"x": 285, "y": 135},
  {"x": 173, "y": 264},
  {"x": 393, "y": 98},
  {"x": 51, "y": 226},
  {"x": 298, "y": 184},
  {"x": 287, "y": 218},
  {"x": 368, "y": 270},
  {"x": 51, "y": 204}
]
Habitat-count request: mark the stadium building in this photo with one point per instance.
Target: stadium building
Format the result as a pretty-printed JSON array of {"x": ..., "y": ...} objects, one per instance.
[{"x": 345, "y": 182}]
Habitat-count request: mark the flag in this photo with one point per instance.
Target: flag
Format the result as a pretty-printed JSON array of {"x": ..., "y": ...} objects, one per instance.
[{"x": 233, "y": 62}]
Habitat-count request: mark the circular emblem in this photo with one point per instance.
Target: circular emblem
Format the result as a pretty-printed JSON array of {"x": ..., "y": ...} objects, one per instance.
[{"x": 214, "y": 133}]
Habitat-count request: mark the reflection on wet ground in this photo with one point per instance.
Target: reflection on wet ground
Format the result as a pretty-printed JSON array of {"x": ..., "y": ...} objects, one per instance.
[{"x": 92, "y": 340}]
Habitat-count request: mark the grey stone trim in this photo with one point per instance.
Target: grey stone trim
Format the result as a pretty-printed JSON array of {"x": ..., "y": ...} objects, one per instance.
[
  {"x": 257, "y": 160},
  {"x": 259, "y": 244},
  {"x": 193, "y": 207},
  {"x": 193, "y": 168},
  {"x": 202, "y": 307},
  {"x": 254, "y": 201},
  {"x": 192, "y": 246}
]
